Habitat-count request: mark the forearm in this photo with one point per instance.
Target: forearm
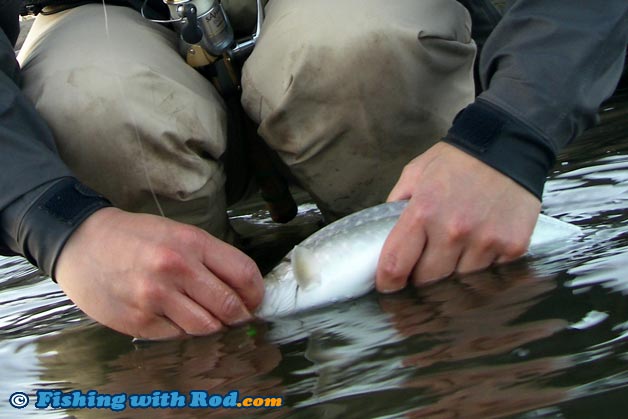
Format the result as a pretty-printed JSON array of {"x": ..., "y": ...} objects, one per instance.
[
  {"x": 40, "y": 203},
  {"x": 545, "y": 70},
  {"x": 38, "y": 224}
]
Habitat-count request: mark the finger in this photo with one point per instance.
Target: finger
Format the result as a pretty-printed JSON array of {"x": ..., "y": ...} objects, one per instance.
[
  {"x": 404, "y": 186},
  {"x": 481, "y": 253},
  {"x": 240, "y": 272},
  {"x": 476, "y": 258},
  {"x": 438, "y": 261},
  {"x": 511, "y": 256},
  {"x": 401, "y": 250},
  {"x": 190, "y": 317},
  {"x": 159, "y": 328},
  {"x": 217, "y": 298},
  {"x": 402, "y": 190},
  {"x": 514, "y": 246}
]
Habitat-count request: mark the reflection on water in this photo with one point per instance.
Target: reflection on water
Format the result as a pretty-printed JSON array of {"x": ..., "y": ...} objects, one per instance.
[{"x": 542, "y": 337}]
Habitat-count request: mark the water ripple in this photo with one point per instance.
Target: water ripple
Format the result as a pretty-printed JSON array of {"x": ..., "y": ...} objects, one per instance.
[{"x": 546, "y": 336}]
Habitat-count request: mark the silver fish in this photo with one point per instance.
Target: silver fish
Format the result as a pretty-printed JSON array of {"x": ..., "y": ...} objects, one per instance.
[{"x": 339, "y": 262}]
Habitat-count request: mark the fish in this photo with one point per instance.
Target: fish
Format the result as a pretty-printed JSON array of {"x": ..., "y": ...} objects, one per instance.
[{"x": 339, "y": 262}]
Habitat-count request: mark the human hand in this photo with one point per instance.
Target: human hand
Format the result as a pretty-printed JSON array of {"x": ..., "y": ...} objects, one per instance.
[
  {"x": 462, "y": 216},
  {"x": 154, "y": 278}
]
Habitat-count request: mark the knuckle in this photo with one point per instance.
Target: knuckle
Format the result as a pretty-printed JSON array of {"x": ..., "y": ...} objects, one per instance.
[
  {"x": 408, "y": 170},
  {"x": 458, "y": 230},
  {"x": 389, "y": 266},
  {"x": 188, "y": 236},
  {"x": 514, "y": 250},
  {"x": 205, "y": 325},
  {"x": 250, "y": 283},
  {"x": 419, "y": 218},
  {"x": 391, "y": 270},
  {"x": 486, "y": 242},
  {"x": 231, "y": 307},
  {"x": 248, "y": 271},
  {"x": 143, "y": 320},
  {"x": 150, "y": 293},
  {"x": 431, "y": 275},
  {"x": 166, "y": 259}
]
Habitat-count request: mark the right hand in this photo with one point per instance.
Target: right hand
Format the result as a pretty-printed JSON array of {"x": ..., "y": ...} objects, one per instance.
[
  {"x": 462, "y": 216},
  {"x": 154, "y": 278}
]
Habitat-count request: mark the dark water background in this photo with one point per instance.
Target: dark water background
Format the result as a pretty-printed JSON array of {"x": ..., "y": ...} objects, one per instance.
[{"x": 545, "y": 337}]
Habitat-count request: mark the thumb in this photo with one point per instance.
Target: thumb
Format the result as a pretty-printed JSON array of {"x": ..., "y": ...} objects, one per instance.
[{"x": 404, "y": 186}]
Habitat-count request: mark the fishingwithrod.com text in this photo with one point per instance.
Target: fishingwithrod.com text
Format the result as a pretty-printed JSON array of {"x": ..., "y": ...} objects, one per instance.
[{"x": 157, "y": 399}]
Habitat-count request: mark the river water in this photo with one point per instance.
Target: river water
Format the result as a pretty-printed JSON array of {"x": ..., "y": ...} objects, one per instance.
[{"x": 544, "y": 337}]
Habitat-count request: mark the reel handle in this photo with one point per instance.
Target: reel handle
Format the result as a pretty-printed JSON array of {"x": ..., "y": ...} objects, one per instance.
[{"x": 191, "y": 32}]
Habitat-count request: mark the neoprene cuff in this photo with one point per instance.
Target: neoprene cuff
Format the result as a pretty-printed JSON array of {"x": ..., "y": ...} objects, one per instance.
[
  {"x": 52, "y": 218},
  {"x": 504, "y": 143}
]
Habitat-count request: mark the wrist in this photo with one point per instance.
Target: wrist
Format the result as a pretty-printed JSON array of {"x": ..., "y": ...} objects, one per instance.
[
  {"x": 504, "y": 143},
  {"x": 52, "y": 218}
]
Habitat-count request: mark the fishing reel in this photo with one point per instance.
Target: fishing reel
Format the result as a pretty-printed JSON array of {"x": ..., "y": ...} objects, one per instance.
[
  {"x": 205, "y": 32},
  {"x": 206, "y": 41}
]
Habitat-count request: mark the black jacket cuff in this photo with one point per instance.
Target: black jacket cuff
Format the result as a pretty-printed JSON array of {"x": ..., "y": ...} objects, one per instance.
[
  {"x": 48, "y": 223},
  {"x": 504, "y": 143}
]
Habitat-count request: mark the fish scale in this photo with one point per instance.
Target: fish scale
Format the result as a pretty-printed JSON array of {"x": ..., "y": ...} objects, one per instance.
[{"x": 339, "y": 262}]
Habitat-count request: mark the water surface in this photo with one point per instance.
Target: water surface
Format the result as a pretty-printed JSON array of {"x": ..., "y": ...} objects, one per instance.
[{"x": 544, "y": 337}]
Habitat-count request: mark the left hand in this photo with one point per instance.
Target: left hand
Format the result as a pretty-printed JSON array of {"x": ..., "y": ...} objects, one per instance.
[
  {"x": 462, "y": 216},
  {"x": 155, "y": 278}
]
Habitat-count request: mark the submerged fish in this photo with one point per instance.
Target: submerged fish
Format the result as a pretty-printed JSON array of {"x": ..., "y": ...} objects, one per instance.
[{"x": 339, "y": 262}]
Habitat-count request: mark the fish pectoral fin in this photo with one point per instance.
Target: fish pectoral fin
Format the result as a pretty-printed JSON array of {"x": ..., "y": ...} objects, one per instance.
[{"x": 306, "y": 270}]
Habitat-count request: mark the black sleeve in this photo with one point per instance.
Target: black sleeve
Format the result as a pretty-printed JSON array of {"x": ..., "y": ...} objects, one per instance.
[
  {"x": 545, "y": 70},
  {"x": 9, "y": 22},
  {"x": 41, "y": 204}
]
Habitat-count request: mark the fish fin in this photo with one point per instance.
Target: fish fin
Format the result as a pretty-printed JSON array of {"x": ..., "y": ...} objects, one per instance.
[{"x": 304, "y": 267}]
